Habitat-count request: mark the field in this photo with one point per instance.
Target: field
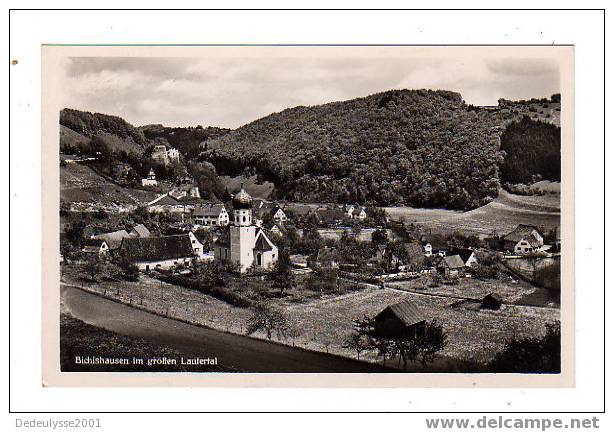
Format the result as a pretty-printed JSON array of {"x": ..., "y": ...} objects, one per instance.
[
  {"x": 323, "y": 323},
  {"x": 502, "y": 214},
  {"x": 469, "y": 288},
  {"x": 473, "y": 334},
  {"x": 80, "y": 183}
]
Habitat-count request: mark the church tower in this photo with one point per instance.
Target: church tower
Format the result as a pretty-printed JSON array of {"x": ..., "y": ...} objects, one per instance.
[{"x": 242, "y": 231}]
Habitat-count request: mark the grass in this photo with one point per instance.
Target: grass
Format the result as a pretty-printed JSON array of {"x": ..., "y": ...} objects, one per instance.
[
  {"x": 502, "y": 214},
  {"x": 79, "y": 183},
  {"x": 324, "y": 323},
  {"x": 470, "y": 288}
]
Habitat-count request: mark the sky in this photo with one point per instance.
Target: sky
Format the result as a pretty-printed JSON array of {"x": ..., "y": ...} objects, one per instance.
[{"x": 231, "y": 92}]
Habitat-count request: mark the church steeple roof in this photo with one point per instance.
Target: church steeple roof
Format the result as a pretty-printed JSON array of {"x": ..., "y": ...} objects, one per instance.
[{"x": 242, "y": 200}]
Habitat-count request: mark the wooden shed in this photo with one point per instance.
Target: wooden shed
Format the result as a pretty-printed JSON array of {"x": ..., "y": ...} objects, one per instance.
[
  {"x": 402, "y": 319},
  {"x": 492, "y": 301}
]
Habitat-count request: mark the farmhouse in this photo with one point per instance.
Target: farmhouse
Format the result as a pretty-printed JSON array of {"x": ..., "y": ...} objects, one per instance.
[
  {"x": 359, "y": 213},
  {"x": 399, "y": 320},
  {"x": 406, "y": 254},
  {"x": 210, "y": 215},
  {"x": 245, "y": 245},
  {"x": 95, "y": 246},
  {"x": 183, "y": 191},
  {"x": 166, "y": 203},
  {"x": 278, "y": 215},
  {"x": 330, "y": 215},
  {"x": 166, "y": 252},
  {"x": 150, "y": 181},
  {"x": 276, "y": 230},
  {"x": 524, "y": 239},
  {"x": 113, "y": 239},
  {"x": 450, "y": 265},
  {"x": 467, "y": 255}
]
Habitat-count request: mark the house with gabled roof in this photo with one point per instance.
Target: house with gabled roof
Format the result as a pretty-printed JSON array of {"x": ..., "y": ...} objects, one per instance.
[
  {"x": 210, "y": 215},
  {"x": 113, "y": 239},
  {"x": 95, "y": 246},
  {"x": 467, "y": 255},
  {"x": 524, "y": 239},
  {"x": 166, "y": 203},
  {"x": 150, "y": 253},
  {"x": 450, "y": 265}
]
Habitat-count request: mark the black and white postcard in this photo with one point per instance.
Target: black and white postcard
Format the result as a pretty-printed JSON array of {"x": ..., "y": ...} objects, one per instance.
[{"x": 332, "y": 216}]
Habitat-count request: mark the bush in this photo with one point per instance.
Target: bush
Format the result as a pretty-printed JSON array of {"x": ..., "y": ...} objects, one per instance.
[{"x": 531, "y": 354}]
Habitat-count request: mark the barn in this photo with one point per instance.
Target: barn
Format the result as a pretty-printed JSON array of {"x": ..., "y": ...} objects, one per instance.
[
  {"x": 399, "y": 320},
  {"x": 492, "y": 301}
]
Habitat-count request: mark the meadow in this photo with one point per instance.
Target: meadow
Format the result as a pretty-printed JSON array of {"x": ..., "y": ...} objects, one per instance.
[{"x": 501, "y": 215}]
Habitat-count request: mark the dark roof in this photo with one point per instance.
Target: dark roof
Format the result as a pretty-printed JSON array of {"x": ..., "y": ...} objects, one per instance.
[
  {"x": 164, "y": 200},
  {"x": 212, "y": 210},
  {"x": 453, "y": 262},
  {"x": 465, "y": 254},
  {"x": 141, "y": 230},
  {"x": 406, "y": 311},
  {"x": 493, "y": 296},
  {"x": 97, "y": 242},
  {"x": 531, "y": 240},
  {"x": 299, "y": 209},
  {"x": 262, "y": 244},
  {"x": 140, "y": 249},
  {"x": 413, "y": 249},
  {"x": 333, "y": 214},
  {"x": 520, "y": 232},
  {"x": 113, "y": 239}
]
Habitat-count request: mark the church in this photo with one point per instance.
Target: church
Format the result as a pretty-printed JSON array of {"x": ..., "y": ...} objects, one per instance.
[{"x": 245, "y": 244}]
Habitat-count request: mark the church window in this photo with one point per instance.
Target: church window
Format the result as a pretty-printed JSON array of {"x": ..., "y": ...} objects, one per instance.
[{"x": 243, "y": 218}]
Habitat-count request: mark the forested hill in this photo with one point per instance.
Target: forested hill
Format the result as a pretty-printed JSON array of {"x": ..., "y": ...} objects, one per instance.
[
  {"x": 403, "y": 147},
  {"x": 532, "y": 152},
  {"x": 115, "y": 132},
  {"x": 186, "y": 139}
]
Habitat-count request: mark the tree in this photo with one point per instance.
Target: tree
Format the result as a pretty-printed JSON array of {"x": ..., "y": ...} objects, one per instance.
[
  {"x": 379, "y": 236},
  {"x": 430, "y": 341},
  {"x": 226, "y": 195},
  {"x": 357, "y": 342},
  {"x": 282, "y": 275},
  {"x": 93, "y": 266},
  {"x": 531, "y": 354},
  {"x": 267, "y": 319},
  {"x": 293, "y": 330},
  {"x": 385, "y": 348},
  {"x": 129, "y": 270}
]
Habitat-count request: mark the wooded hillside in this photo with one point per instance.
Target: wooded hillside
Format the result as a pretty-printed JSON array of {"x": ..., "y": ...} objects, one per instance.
[{"x": 403, "y": 147}]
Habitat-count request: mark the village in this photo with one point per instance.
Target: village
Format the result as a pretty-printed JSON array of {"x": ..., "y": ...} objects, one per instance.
[{"x": 344, "y": 279}]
